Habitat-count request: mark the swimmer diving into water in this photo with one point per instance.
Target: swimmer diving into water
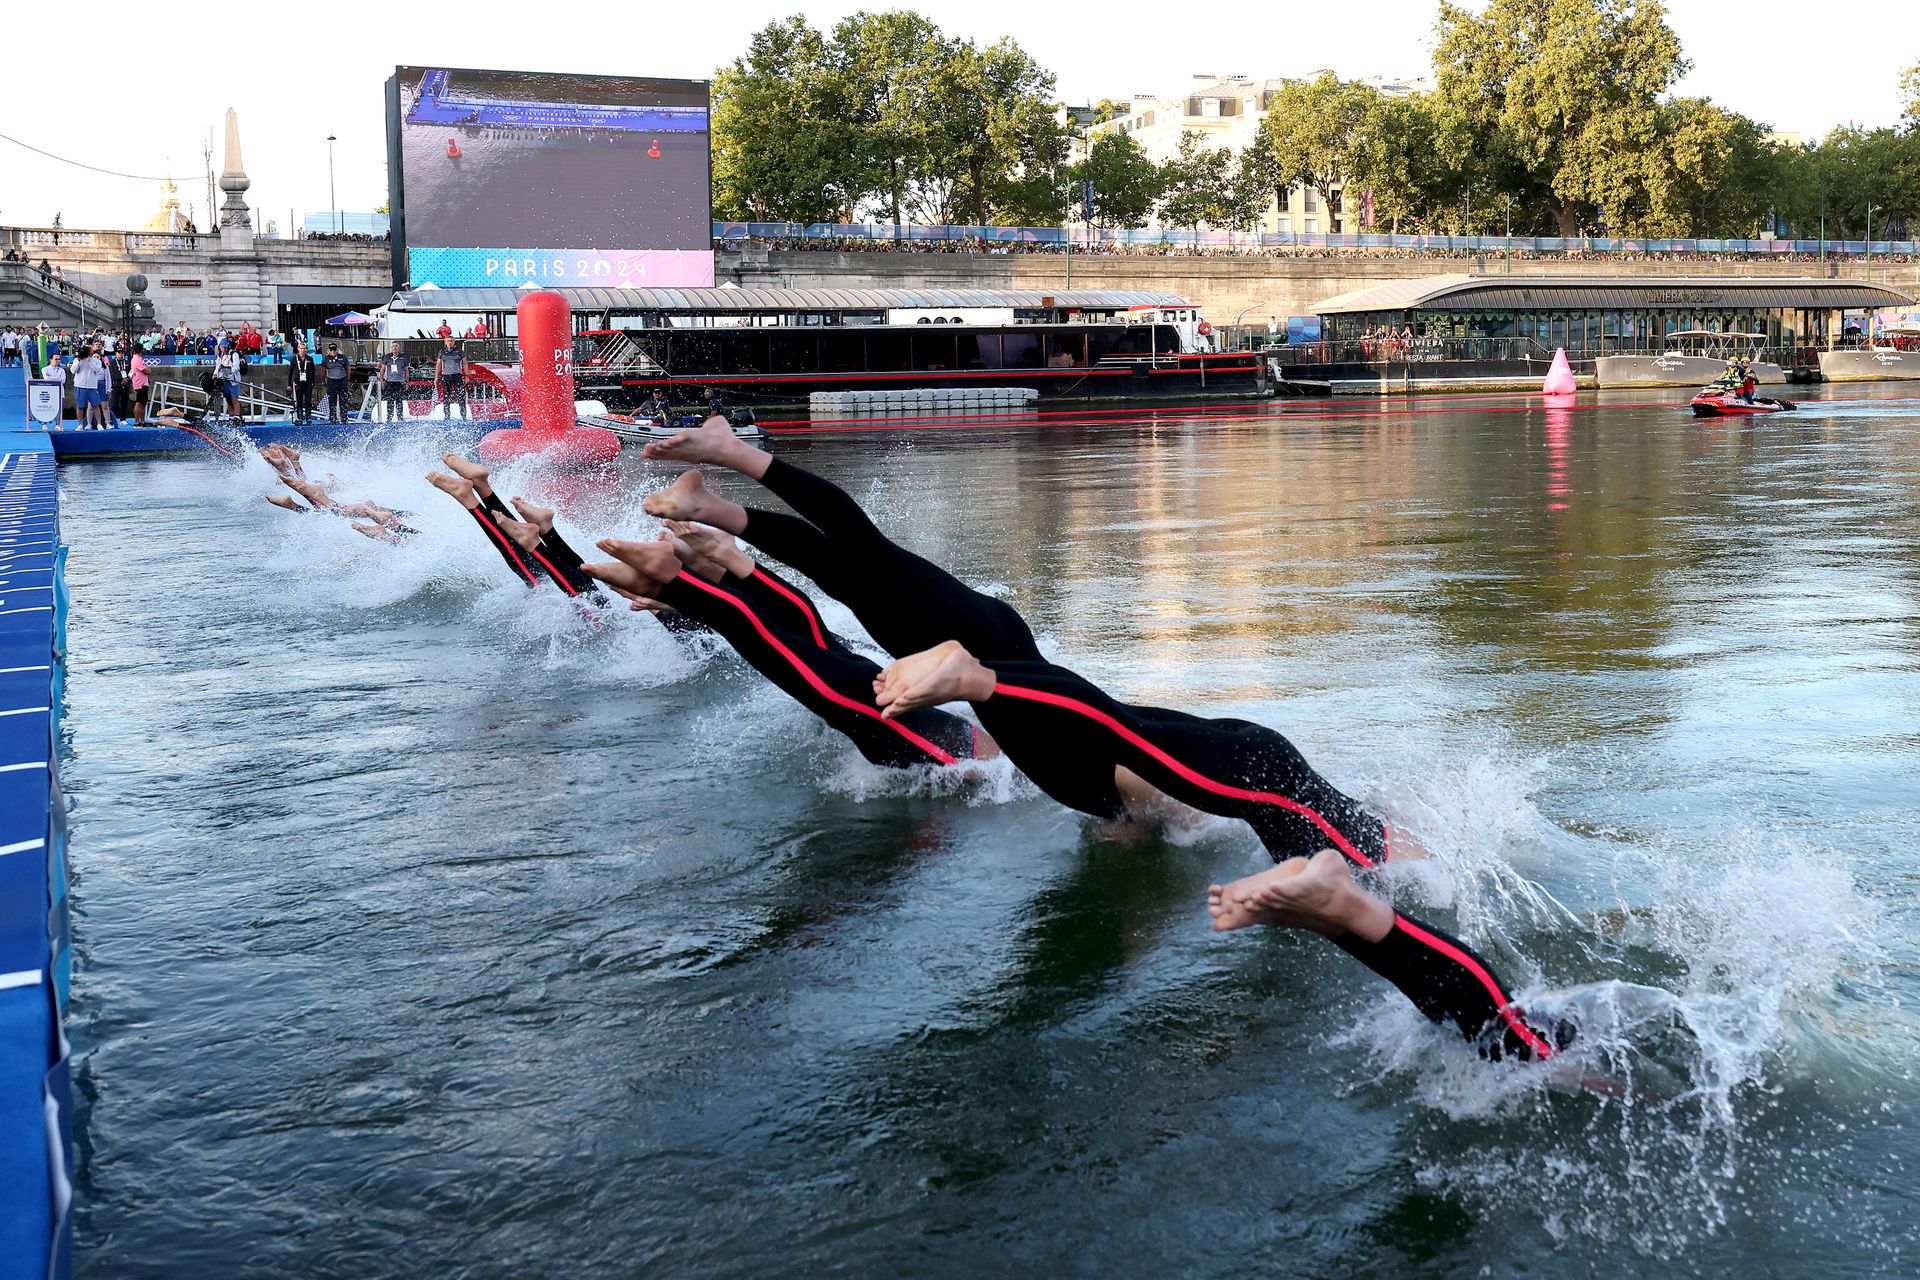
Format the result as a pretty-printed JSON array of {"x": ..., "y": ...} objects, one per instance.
[
  {"x": 767, "y": 620},
  {"x": 1082, "y": 747},
  {"x": 381, "y": 523}
]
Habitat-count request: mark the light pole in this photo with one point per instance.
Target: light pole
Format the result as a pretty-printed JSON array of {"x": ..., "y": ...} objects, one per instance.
[
  {"x": 332, "y": 203},
  {"x": 1870, "y": 208},
  {"x": 1236, "y": 320}
]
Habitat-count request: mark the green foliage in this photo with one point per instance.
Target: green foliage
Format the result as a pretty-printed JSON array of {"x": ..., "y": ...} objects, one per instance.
[
  {"x": 885, "y": 113},
  {"x": 1310, "y": 132},
  {"x": 1566, "y": 91},
  {"x": 1202, "y": 185},
  {"x": 785, "y": 147},
  {"x": 1125, "y": 182},
  {"x": 1910, "y": 96}
]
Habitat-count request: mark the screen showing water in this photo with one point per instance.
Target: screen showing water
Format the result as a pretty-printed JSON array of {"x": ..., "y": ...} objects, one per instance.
[{"x": 425, "y": 927}]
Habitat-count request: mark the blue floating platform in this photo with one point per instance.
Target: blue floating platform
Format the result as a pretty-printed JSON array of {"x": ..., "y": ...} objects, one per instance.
[{"x": 36, "y": 1131}]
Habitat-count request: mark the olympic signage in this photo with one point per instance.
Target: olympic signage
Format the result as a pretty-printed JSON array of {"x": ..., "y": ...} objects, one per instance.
[
  {"x": 563, "y": 268},
  {"x": 44, "y": 400}
]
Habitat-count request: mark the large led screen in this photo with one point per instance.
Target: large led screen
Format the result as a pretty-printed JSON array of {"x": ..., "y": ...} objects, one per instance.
[{"x": 505, "y": 177}]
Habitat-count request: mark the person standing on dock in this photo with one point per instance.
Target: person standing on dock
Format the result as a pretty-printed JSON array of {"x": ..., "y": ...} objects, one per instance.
[
  {"x": 393, "y": 383},
  {"x": 338, "y": 372},
  {"x": 450, "y": 371},
  {"x": 300, "y": 383}
]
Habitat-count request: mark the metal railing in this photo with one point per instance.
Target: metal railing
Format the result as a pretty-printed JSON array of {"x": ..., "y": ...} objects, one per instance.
[
  {"x": 423, "y": 351},
  {"x": 255, "y": 400},
  {"x": 59, "y": 290}
]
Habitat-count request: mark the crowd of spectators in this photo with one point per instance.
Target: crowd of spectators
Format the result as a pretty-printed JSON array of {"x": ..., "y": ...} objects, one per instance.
[
  {"x": 360, "y": 236},
  {"x": 1169, "y": 249}
]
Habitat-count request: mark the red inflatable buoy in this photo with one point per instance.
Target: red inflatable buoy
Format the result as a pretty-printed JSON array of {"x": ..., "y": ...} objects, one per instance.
[
  {"x": 453, "y": 149},
  {"x": 548, "y": 425},
  {"x": 653, "y": 152}
]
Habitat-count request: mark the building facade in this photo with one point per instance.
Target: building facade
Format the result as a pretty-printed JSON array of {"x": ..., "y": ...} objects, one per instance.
[{"x": 1226, "y": 111}]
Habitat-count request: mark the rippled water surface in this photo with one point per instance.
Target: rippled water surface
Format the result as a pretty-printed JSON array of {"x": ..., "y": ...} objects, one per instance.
[{"x": 423, "y": 929}]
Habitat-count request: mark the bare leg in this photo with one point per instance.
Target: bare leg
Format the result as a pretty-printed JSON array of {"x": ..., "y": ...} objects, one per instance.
[
  {"x": 285, "y": 503},
  {"x": 1316, "y": 893},
  {"x": 688, "y": 498},
  {"x": 712, "y": 442},
  {"x": 307, "y": 489}
]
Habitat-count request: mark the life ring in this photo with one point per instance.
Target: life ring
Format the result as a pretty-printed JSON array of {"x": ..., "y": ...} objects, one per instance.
[{"x": 1206, "y": 330}]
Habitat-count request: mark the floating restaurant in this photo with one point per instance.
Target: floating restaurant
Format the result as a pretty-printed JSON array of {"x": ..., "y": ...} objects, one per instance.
[{"x": 1636, "y": 330}]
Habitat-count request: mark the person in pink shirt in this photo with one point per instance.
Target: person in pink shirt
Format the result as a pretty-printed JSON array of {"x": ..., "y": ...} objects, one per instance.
[{"x": 137, "y": 371}]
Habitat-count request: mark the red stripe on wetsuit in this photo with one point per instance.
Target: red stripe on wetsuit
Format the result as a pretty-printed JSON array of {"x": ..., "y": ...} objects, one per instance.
[
  {"x": 1192, "y": 775},
  {"x": 809, "y": 675}
]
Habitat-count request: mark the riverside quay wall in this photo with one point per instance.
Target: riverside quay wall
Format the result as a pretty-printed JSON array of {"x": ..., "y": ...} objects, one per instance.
[
  {"x": 229, "y": 277},
  {"x": 234, "y": 277},
  {"x": 1248, "y": 290}
]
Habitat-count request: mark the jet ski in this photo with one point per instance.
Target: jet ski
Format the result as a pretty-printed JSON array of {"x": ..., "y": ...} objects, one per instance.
[
  {"x": 1728, "y": 403},
  {"x": 1722, "y": 397}
]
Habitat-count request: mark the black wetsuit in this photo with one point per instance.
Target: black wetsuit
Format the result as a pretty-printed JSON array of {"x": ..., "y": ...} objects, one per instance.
[
  {"x": 776, "y": 628},
  {"x": 1067, "y": 735},
  {"x": 1059, "y": 730}
]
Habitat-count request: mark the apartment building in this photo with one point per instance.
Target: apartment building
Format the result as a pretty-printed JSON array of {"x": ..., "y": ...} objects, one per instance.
[{"x": 1227, "y": 111}]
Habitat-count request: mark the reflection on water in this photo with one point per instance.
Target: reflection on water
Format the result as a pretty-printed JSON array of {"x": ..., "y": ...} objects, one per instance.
[{"x": 424, "y": 929}]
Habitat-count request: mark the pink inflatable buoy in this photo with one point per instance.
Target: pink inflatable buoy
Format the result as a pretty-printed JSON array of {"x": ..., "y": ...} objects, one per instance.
[
  {"x": 1559, "y": 376},
  {"x": 548, "y": 425}
]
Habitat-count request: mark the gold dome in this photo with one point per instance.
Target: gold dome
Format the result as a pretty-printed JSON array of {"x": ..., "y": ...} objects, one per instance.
[{"x": 169, "y": 218}]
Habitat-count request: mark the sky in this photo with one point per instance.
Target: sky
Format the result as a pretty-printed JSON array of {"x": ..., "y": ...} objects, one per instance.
[{"x": 293, "y": 83}]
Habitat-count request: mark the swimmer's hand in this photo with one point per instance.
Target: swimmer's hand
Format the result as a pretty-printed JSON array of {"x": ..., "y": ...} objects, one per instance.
[{"x": 944, "y": 673}]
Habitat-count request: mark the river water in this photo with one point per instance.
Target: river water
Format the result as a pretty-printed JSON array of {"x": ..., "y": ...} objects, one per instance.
[{"x": 424, "y": 929}]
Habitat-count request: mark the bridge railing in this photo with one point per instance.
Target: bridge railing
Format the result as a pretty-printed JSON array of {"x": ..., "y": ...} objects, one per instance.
[{"x": 27, "y": 276}]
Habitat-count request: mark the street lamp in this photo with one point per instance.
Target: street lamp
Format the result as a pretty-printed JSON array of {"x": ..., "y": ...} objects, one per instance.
[{"x": 332, "y": 203}]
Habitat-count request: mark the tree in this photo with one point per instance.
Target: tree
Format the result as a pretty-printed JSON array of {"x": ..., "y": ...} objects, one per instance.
[
  {"x": 1568, "y": 89},
  {"x": 1200, "y": 184},
  {"x": 1308, "y": 136},
  {"x": 1125, "y": 181},
  {"x": 888, "y": 62},
  {"x": 1400, "y": 154},
  {"x": 991, "y": 132},
  {"x": 1910, "y": 96},
  {"x": 784, "y": 145}
]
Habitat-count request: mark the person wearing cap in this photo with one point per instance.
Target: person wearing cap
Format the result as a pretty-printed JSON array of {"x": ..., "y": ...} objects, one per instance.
[{"x": 338, "y": 373}]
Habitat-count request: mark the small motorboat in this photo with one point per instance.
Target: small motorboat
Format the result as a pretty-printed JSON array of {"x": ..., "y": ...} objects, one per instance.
[
  {"x": 662, "y": 428},
  {"x": 1715, "y": 403}
]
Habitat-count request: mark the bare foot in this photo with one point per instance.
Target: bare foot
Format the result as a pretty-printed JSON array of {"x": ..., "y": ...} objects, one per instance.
[
  {"x": 375, "y": 532},
  {"x": 1316, "y": 893},
  {"x": 640, "y": 568},
  {"x": 685, "y": 499},
  {"x": 1228, "y": 914},
  {"x": 459, "y": 487},
  {"x": 540, "y": 518},
  {"x": 711, "y": 570},
  {"x": 712, "y": 547},
  {"x": 944, "y": 673},
  {"x": 712, "y": 441},
  {"x": 524, "y": 536},
  {"x": 472, "y": 472},
  {"x": 285, "y": 503}
]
